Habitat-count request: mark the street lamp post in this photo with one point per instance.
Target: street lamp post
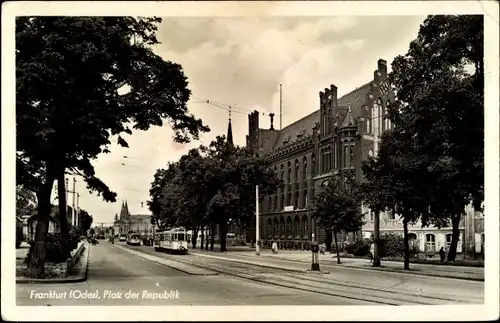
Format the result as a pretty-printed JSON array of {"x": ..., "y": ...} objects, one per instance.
[{"x": 257, "y": 251}]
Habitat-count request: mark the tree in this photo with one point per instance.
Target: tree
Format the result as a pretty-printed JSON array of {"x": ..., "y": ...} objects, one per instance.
[
  {"x": 85, "y": 221},
  {"x": 337, "y": 208},
  {"x": 72, "y": 78},
  {"x": 236, "y": 171},
  {"x": 211, "y": 186},
  {"x": 441, "y": 80},
  {"x": 25, "y": 201}
]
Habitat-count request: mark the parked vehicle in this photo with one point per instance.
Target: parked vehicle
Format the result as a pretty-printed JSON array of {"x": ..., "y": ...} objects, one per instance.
[{"x": 122, "y": 237}]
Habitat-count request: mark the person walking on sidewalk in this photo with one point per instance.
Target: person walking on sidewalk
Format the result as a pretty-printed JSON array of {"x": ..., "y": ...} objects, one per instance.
[
  {"x": 441, "y": 254},
  {"x": 372, "y": 251},
  {"x": 274, "y": 247}
]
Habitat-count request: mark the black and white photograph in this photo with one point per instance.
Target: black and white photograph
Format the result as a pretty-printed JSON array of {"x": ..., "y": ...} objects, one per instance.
[{"x": 250, "y": 160}]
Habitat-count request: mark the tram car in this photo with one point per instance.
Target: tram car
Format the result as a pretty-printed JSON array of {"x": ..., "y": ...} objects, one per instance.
[
  {"x": 133, "y": 239},
  {"x": 172, "y": 241}
]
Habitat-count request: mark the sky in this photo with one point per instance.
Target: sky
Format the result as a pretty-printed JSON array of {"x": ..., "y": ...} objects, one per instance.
[{"x": 241, "y": 62}]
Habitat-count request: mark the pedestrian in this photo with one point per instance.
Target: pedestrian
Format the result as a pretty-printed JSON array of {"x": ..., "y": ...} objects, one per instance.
[
  {"x": 275, "y": 247},
  {"x": 372, "y": 251},
  {"x": 441, "y": 254},
  {"x": 323, "y": 248}
]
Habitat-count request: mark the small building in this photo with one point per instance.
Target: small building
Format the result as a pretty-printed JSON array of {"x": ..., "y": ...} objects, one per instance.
[{"x": 32, "y": 222}]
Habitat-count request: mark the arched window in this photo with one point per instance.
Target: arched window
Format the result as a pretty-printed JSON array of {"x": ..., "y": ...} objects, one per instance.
[
  {"x": 313, "y": 164},
  {"x": 296, "y": 170},
  {"x": 289, "y": 173},
  {"x": 430, "y": 242},
  {"x": 346, "y": 154},
  {"x": 304, "y": 169},
  {"x": 380, "y": 120},
  {"x": 373, "y": 119},
  {"x": 296, "y": 203},
  {"x": 386, "y": 115},
  {"x": 289, "y": 200},
  {"x": 448, "y": 241},
  {"x": 282, "y": 176},
  {"x": 325, "y": 160},
  {"x": 351, "y": 155},
  {"x": 282, "y": 201},
  {"x": 334, "y": 157},
  {"x": 304, "y": 199}
]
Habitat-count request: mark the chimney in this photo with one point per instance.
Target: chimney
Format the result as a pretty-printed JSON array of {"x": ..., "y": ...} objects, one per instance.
[
  {"x": 333, "y": 90},
  {"x": 376, "y": 77},
  {"x": 382, "y": 67},
  {"x": 271, "y": 115}
]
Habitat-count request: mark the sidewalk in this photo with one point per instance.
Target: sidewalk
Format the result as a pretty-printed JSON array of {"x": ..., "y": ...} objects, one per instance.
[
  {"x": 460, "y": 272},
  {"x": 457, "y": 272},
  {"x": 77, "y": 274}
]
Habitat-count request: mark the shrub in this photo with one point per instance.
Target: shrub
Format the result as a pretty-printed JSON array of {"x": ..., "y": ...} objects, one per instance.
[
  {"x": 58, "y": 248},
  {"x": 358, "y": 248},
  {"x": 392, "y": 245}
]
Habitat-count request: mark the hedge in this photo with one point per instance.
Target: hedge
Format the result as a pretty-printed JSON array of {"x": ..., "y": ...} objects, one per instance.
[{"x": 58, "y": 248}]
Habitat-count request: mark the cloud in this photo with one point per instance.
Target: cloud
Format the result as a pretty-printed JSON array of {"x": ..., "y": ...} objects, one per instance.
[{"x": 241, "y": 62}]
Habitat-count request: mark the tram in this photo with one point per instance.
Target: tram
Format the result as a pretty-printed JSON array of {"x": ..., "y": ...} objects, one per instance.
[
  {"x": 173, "y": 240},
  {"x": 133, "y": 239}
]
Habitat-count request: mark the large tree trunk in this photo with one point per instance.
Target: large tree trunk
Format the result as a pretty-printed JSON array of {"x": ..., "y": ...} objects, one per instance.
[
  {"x": 212, "y": 236},
  {"x": 206, "y": 237},
  {"x": 406, "y": 243},
  {"x": 202, "y": 237},
  {"x": 455, "y": 235},
  {"x": 38, "y": 251},
  {"x": 336, "y": 246},
  {"x": 194, "y": 238},
  {"x": 61, "y": 192},
  {"x": 223, "y": 233},
  {"x": 376, "y": 239}
]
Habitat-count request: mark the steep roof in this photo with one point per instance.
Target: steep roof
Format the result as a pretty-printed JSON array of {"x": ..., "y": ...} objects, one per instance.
[{"x": 304, "y": 126}]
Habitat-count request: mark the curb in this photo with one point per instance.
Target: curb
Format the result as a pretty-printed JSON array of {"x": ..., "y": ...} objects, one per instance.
[
  {"x": 370, "y": 268},
  {"x": 416, "y": 273},
  {"x": 79, "y": 278}
]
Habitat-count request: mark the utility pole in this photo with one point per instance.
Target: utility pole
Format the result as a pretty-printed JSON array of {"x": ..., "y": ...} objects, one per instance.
[
  {"x": 257, "y": 251},
  {"x": 73, "y": 222},
  {"x": 77, "y": 208},
  {"x": 73, "y": 211}
]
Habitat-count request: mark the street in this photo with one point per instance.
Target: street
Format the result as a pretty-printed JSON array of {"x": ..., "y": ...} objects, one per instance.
[
  {"x": 113, "y": 271},
  {"x": 125, "y": 275}
]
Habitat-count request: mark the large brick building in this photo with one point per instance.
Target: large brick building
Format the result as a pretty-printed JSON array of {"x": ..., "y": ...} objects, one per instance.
[{"x": 334, "y": 139}]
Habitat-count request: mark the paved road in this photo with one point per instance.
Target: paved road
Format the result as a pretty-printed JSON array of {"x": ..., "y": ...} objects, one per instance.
[
  {"x": 376, "y": 286},
  {"x": 113, "y": 272}
]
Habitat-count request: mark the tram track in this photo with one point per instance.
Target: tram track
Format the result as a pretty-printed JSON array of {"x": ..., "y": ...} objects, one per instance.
[{"x": 315, "y": 283}]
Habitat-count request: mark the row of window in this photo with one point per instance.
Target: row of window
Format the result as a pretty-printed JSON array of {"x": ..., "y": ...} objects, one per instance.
[
  {"x": 274, "y": 204},
  {"x": 299, "y": 227},
  {"x": 430, "y": 240},
  {"x": 330, "y": 157},
  {"x": 297, "y": 170},
  {"x": 379, "y": 121}
]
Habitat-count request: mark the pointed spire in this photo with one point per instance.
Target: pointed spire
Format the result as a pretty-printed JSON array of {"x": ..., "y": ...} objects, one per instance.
[
  {"x": 229, "y": 136},
  {"x": 348, "y": 121},
  {"x": 126, "y": 208}
]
